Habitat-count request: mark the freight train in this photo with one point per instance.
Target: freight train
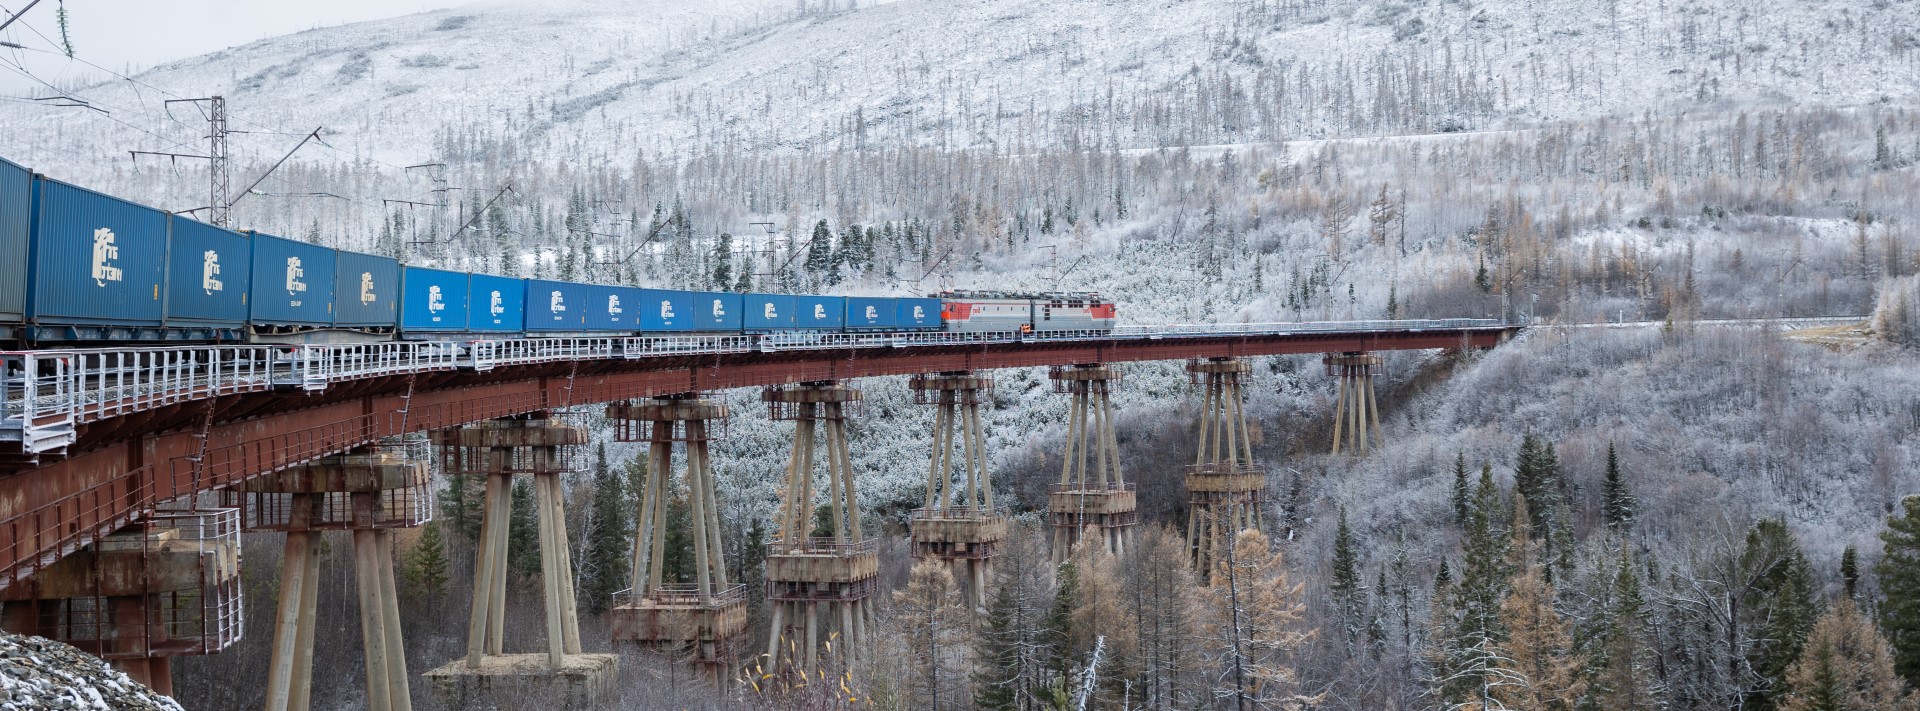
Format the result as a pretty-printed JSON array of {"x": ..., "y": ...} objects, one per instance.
[{"x": 78, "y": 266}]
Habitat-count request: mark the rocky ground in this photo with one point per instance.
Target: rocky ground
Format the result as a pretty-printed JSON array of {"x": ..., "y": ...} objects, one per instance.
[{"x": 38, "y": 673}]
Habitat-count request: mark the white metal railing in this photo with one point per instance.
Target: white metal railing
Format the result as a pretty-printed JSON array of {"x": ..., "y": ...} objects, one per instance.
[
  {"x": 487, "y": 355},
  {"x": 45, "y": 395},
  {"x": 313, "y": 367},
  {"x": 654, "y": 346}
]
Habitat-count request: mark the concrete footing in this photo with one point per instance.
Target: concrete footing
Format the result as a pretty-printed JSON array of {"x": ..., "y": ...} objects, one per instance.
[{"x": 579, "y": 681}]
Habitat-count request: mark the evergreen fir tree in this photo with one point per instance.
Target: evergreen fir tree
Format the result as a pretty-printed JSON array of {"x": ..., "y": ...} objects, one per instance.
[
  {"x": 1461, "y": 497},
  {"x": 997, "y": 681},
  {"x": 1619, "y": 504},
  {"x": 1349, "y": 594},
  {"x": 523, "y": 538},
  {"x": 1850, "y": 572},
  {"x": 1056, "y": 629},
  {"x": 1476, "y": 599},
  {"x": 819, "y": 250},
  {"x": 1624, "y": 663},
  {"x": 722, "y": 261},
  {"x": 426, "y": 565},
  {"x": 1899, "y": 571},
  {"x": 1782, "y": 601},
  {"x": 609, "y": 543}
]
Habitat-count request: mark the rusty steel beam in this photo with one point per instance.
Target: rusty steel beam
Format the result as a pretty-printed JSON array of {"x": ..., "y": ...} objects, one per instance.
[{"x": 126, "y": 465}]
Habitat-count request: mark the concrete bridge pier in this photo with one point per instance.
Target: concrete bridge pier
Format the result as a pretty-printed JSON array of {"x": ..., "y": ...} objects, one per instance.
[
  {"x": 707, "y": 618},
  {"x": 370, "y": 493},
  {"x": 166, "y": 586},
  {"x": 1092, "y": 498},
  {"x": 500, "y": 450},
  {"x": 820, "y": 587},
  {"x": 958, "y": 526},
  {"x": 1356, "y": 413},
  {"x": 1224, "y": 486}
]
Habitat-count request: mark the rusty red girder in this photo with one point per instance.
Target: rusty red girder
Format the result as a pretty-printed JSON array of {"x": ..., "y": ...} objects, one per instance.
[{"x": 121, "y": 467}]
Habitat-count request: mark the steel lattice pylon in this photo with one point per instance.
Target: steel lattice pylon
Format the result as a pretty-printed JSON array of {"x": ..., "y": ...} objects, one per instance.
[
  {"x": 960, "y": 526},
  {"x": 706, "y": 618},
  {"x": 1223, "y": 485},
  {"x": 1091, "y": 495}
]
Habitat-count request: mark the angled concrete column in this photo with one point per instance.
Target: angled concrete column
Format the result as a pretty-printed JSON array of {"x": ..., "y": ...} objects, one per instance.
[
  {"x": 1224, "y": 486},
  {"x": 817, "y": 582},
  {"x": 957, "y": 521},
  {"x": 1356, "y": 412},
  {"x": 1092, "y": 497},
  {"x": 500, "y": 450}
]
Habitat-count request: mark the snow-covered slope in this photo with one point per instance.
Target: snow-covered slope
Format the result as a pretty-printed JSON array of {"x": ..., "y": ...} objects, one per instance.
[{"x": 684, "y": 76}]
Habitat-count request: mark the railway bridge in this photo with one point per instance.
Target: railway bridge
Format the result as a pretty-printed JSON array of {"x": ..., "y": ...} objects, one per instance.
[{"x": 127, "y": 474}]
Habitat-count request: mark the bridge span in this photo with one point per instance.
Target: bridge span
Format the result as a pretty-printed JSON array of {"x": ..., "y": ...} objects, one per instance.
[{"x": 94, "y": 440}]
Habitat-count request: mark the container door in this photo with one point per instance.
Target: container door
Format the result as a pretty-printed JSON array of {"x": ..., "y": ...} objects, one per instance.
[
  {"x": 96, "y": 259},
  {"x": 207, "y": 274},
  {"x": 917, "y": 313},
  {"x": 292, "y": 282},
  {"x": 368, "y": 288},
  {"x": 556, "y": 306},
  {"x": 716, "y": 312},
  {"x": 16, "y": 206},
  {"x": 496, "y": 303},
  {"x": 666, "y": 311},
  {"x": 767, "y": 312},
  {"x": 433, "y": 300},
  {"x": 824, "y": 313}
]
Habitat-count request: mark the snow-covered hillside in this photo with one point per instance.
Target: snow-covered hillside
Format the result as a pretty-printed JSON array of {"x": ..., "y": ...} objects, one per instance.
[{"x": 682, "y": 77}]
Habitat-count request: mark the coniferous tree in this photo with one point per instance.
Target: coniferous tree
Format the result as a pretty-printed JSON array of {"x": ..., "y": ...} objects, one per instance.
[
  {"x": 1620, "y": 506},
  {"x": 1624, "y": 663},
  {"x": 461, "y": 504},
  {"x": 933, "y": 619},
  {"x": 997, "y": 683},
  {"x": 1468, "y": 652},
  {"x": 1781, "y": 601},
  {"x": 1461, "y": 495},
  {"x": 1056, "y": 629},
  {"x": 819, "y": 250},
  {"x": 1899, "y": 571},
  {"x": 426, "y": 565},
  {"x": 1536, "y": 475},
  {"x": 722, "y": 261},
  {"x": 1349, "y": 594},
  {"x": 1537, "y": 667},
  {"x": 1850, "y": 572},
  {"x": 523, "y": 543},
  {"x": 1254, "y": 626},
  {"x": 1848, "y": 665},
  {"x": 609, "y": 543}
]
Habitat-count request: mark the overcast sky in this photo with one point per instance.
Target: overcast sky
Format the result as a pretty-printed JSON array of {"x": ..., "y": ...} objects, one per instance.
[{"x": 136, "y": 34}]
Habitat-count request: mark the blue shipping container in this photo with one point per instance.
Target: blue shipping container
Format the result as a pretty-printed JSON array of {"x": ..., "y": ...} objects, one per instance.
[
  {"x": 871, "y": 314},
  {"x": 433, "y": 300},
  {"x": 367, "y": 290},
  {"x": 556, "y": 305},
  {"x": 917, "y": 314},
  {"x": 612, "y": 308},
  {"x": 716, "y": 312},
  {"x": 760, "y": 313},
  {"x": 16, "y": 214},
  {"x": 496, "y": 303},
  {"x": 824, "y": 313},
  {"x": 292, "y": 282},
  {"x": 207, "y": 274},
  {"x": 664, "y": 310},
  {"x": 96, "y": 259}
]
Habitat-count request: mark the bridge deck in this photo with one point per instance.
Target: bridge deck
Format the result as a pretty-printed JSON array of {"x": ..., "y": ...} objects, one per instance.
[{"x": 103, "y": 436}]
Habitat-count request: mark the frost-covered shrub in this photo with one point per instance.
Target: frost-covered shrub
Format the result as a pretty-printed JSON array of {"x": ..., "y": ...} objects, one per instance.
[{"x": 1894, "y": 314}]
